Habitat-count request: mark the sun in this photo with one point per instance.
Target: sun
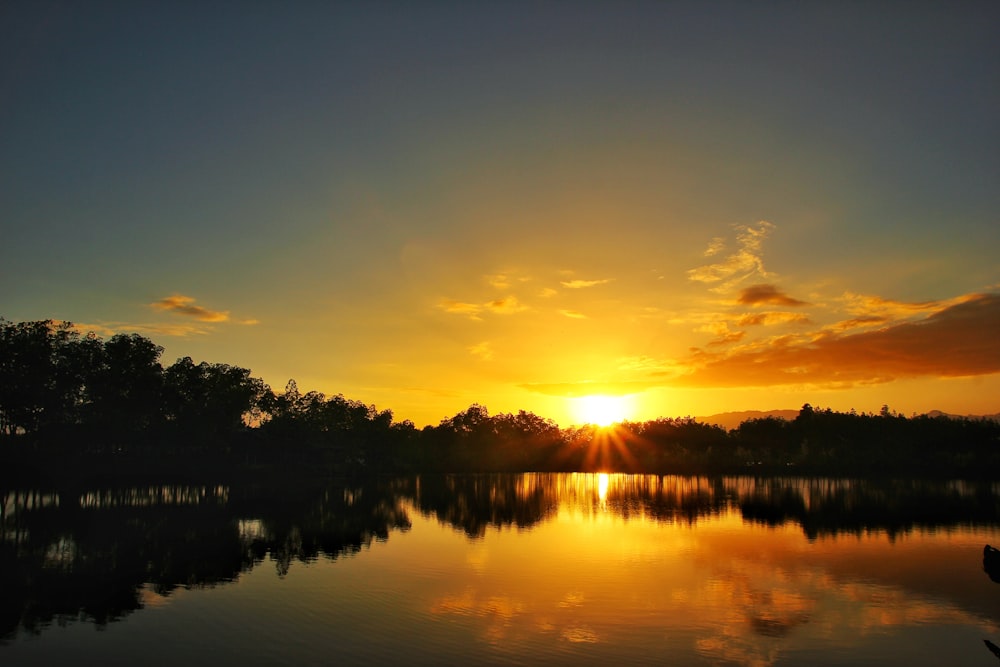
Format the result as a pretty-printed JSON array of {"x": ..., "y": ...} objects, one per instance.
[{"x": 601, "y": 410}]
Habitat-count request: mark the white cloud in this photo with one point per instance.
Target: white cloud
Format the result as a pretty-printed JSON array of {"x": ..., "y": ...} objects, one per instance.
[{"x": 744, "y": 263}]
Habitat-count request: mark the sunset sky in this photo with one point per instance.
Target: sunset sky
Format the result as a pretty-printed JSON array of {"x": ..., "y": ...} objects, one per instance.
[{"x": 700, "y": 207}]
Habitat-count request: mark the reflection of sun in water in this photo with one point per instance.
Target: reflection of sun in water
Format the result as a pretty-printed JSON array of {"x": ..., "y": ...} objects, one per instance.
[
  {"x": 601, "y": 410},
  {"x": 602, "y": 487}
]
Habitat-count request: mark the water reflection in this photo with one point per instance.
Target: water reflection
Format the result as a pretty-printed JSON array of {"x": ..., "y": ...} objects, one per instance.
[
  {"x": 727, "y": 569},
  {"x": 95, "y": 555},
  {"x": 819, "y": 506}
]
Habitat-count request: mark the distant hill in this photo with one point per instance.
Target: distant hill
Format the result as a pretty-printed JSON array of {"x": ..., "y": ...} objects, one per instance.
[
  {"x": 937, "y": 413},
  {"x": 730, "y": 420}
]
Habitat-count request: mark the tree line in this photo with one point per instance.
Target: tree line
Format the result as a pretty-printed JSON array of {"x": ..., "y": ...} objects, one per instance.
[
  {"x": 56, "y": 382},
  {"x": 71, "y": 398}
]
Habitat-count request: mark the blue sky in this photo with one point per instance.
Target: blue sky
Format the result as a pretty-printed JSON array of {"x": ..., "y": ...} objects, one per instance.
[{"x": 425, "y": 205}]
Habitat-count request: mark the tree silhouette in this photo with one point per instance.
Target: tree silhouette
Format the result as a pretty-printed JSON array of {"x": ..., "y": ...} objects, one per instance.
[
  {"x": 127, "y": 388},
  {"x": 69, "y": 393},
  {"x": 46, "y": 372},
  {"x": 209, "y": 399}
]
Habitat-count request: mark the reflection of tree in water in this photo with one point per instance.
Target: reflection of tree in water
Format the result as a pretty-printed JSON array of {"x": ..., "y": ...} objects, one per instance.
[
  {"x": 305, "y": 524},
  {"x": 77, "y": 558},
  {"x": 829, "y": 507},
  {"x": 474, "y": 502},
  {"x": 87, "y": 556},
  {"x": 668, "y": 498}
]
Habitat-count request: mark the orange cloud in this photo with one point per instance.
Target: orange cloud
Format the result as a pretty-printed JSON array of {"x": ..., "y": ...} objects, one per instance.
[
  {"x": 482, "y": 350},
  {"x": 112, "y": 328},
  {"x": 859, "y": 322},
  {"x": 723, "y": 334},
  {"x": 715, "y": 246},
  {"x": 573, "y": 314},
  {"x": 865, "y": 305},
  {"x": 772, "y": 318},
  {"x": 727, "y": 338},
  {"x": 506, "y": 305},
  {"x": 767, "y": 294},
  {"x": 740, "y": 265},
  {"x": 461, "y": 308},
  {"x": 643, "y": 363},
  {"x": 498, "y": 280},
  {"x": 182, "y": 305},
  {"x": 579, "y": 284},
  {"x": 958, "y": 340}
]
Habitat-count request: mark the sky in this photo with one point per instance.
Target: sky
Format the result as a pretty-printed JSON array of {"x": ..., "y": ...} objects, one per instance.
[{"x": 686, "y": 207}]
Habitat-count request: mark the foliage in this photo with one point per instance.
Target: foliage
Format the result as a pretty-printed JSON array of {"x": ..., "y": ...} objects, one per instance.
[
  {"x": 57, "y": 384},
  {"x": 73, "y": 396}
]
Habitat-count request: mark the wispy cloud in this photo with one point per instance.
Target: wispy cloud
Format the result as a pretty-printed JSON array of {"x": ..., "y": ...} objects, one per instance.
[
  {"x": 183, "y": 305},
  {"x": 867, "y": 305},
  {"x": 715, "y": 246},
  {"x": 870, "y": 310},
  {"x": 505, "y": 306},
  {"x": 957, "y": 340},
  {"x": 853, "y": 339},
  {"x": 771, "y": 319},
  {"x": 200, "y": 320},
  {"x": 102, "y": 329},
  {"x": 859, "y": 322},
  {"x": 498, "y": 280},
  {"x": 471, "y": 310},
  {"x": 645, "y": 364},
  {"x": 548, "y": 293},
  {"x": 768, "y": 295},
  {"x": 728, "y": 338},
  {"x": 482, "y": 350},
  {"x": 108, "y": 329},
  {"x": 723, "y": 335},
  {"x": 580, "y": 284},
  {"x": 573, "y": 314},
  {"x": 744, "y": 263}
]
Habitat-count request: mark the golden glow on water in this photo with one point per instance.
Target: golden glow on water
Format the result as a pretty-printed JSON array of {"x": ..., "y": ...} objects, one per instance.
[
  {"x": 601, "y": 570},
  {"x": 741, "y": 593},
  {"x": 602, "y": 487},
  {"x": 589, "y": 568}
]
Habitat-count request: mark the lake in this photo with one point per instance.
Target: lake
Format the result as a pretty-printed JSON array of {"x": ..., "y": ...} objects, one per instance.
[{"x": 581, "y": 569}]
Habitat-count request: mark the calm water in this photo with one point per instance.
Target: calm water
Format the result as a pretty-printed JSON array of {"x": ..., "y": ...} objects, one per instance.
[{"x": 503, "y": 569}]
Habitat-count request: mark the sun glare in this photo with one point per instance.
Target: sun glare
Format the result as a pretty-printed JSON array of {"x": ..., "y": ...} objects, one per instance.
[{"x": 602, "y": 410}]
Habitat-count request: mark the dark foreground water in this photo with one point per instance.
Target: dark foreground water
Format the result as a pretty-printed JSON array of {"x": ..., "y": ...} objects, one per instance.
[{"x": 503, "y": 569}]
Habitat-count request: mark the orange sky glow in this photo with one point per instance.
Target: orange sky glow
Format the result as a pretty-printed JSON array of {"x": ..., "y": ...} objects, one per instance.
[{"x": 684, "y": 211}]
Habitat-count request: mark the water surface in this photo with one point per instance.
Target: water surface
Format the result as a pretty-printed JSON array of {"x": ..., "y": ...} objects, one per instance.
[{"x": 504, "y": 569}]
